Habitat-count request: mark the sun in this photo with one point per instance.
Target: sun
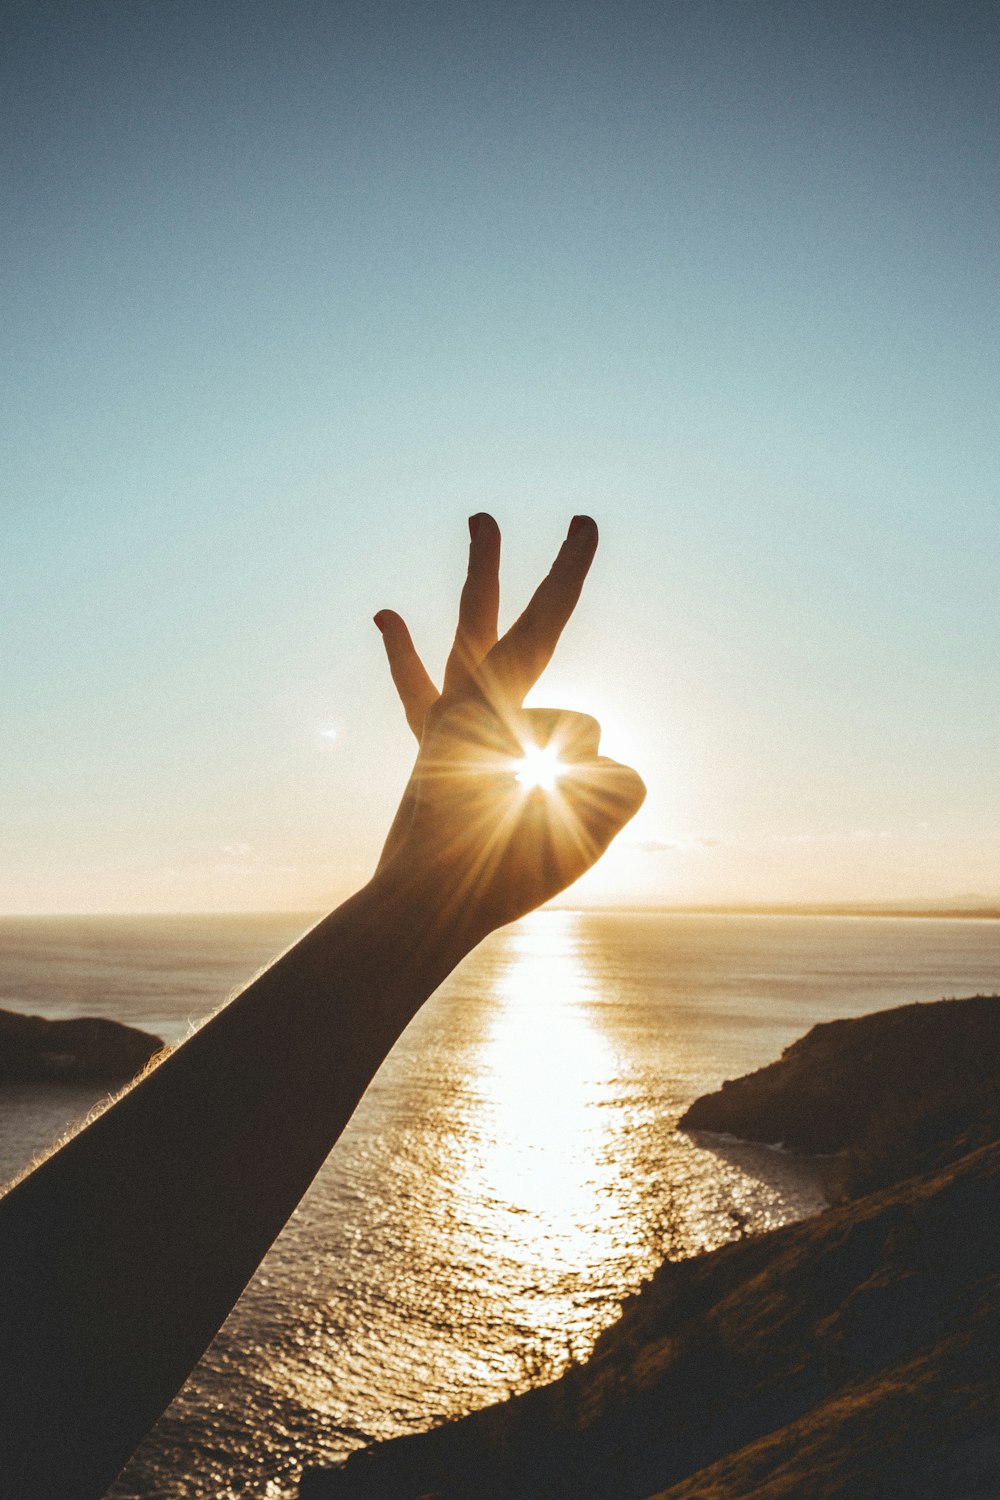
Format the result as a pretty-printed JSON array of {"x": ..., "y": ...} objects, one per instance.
[{"x": 540, "y": 768}]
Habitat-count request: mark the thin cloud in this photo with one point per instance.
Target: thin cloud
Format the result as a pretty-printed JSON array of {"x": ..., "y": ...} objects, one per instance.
[
  {"x": 660, "y": 846},
  {"x": 238, "y": 851}
]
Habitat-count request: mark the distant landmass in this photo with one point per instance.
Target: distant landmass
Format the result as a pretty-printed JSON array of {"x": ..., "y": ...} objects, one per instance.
[
  {"x": 956, "y": 906},
  {"x": 852, "y": 1354},
  {"x": 85, "y": 1050}
]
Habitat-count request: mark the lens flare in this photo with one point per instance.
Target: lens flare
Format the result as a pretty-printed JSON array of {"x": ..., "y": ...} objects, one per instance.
[{"x": 540, "y": 768}]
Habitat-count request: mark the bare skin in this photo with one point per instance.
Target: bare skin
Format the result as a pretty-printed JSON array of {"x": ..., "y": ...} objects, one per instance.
[{"x": 125, "y": 1251}]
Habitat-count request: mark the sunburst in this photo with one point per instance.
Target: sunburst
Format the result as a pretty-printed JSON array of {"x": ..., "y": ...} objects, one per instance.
[{"x": 540, "y": 768}]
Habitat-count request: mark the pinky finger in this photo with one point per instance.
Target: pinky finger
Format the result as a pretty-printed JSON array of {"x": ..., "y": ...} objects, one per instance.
[{"x": 415, "y": 688}]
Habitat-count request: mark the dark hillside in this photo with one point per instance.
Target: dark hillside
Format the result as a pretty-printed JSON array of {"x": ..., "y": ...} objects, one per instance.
[{"x": 853, "y": 1354}]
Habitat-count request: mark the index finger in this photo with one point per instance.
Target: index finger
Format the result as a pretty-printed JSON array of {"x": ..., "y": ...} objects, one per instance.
[{"x": 518, "y": 659}]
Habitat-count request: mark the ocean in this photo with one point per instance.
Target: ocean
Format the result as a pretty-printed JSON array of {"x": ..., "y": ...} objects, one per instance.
[{"x": 513, "y": 1172}]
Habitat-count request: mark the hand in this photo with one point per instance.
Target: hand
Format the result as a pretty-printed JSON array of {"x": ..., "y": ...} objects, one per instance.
[{"x": 492, "y": 845}]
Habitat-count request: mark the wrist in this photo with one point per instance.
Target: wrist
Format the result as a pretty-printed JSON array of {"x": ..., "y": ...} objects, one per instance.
[{"x": 426, "y": 907}]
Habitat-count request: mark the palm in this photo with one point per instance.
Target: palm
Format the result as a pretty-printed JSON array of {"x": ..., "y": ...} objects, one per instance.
[{"x": 496, "y": 847}]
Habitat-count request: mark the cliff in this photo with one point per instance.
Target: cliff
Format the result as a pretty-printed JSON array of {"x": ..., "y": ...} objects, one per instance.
[
  {"x": 88, "y": 1049},
  {"x": 851, "y": 1355},
  {"x": 897, "y": 1092}
]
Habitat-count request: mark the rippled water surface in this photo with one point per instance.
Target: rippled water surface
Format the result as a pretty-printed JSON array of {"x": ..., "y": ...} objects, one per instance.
[{"x": 511, "y": 1174}]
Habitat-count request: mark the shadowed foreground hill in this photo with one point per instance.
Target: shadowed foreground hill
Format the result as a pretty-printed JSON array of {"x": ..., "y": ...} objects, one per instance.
[{"x": 852, "y": 1355}]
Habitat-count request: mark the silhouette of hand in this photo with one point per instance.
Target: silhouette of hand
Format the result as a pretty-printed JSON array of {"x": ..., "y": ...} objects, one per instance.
[{"x": 506, "y": 806}]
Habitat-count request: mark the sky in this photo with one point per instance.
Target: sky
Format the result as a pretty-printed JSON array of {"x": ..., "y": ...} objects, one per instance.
[{"x": 291, "y": 289}]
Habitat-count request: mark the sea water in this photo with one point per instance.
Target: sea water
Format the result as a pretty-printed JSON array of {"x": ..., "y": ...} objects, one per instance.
[{"x": 513, "y": 1172}]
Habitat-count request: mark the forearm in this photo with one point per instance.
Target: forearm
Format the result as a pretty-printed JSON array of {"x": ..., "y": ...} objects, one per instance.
[
  {"x": 122, "y": 1254},
  {"x": 125, "y": 1251}
]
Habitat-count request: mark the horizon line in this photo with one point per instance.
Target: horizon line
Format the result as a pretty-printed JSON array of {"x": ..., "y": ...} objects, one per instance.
[{"x": 969, "y": 906}]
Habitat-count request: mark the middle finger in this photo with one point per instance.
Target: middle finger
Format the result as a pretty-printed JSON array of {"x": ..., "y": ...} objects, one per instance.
[{"x": 480, "y": 603}]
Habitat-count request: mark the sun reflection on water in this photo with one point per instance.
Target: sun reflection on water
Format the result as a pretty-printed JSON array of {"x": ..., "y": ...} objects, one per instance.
[
  {"x": 545, "y": 1071},
  {"x": 512, "y": 1173}
]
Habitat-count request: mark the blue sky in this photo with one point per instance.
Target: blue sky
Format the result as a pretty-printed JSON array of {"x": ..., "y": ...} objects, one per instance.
[{"x": 291, "y": 289}]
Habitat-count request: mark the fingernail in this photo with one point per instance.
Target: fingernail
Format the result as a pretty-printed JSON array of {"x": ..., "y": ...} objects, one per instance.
[
  {"x": 474, "y": 523},
  {"x": 379, "y": 618},
  {"x": 577, "y": 524}
]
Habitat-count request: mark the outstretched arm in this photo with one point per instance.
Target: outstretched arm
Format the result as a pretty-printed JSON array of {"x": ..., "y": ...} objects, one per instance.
[{"x": 124, "y": 1252}]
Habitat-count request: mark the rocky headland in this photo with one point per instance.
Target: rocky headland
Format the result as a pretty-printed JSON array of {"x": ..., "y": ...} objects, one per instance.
[
  {"x": 851, "y": 1355},
  {"x": 88, "y": 1049},
  {"x": 889, "y": 1095}
]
